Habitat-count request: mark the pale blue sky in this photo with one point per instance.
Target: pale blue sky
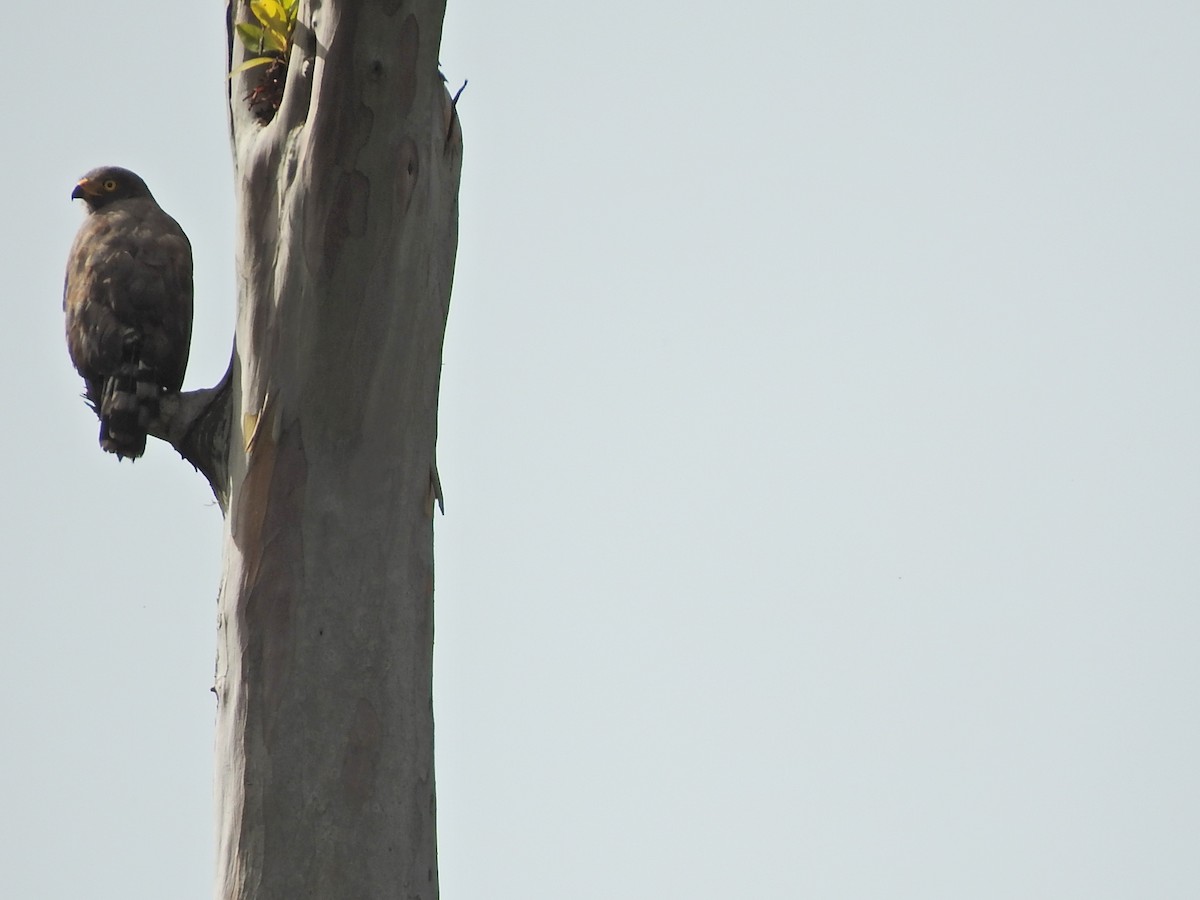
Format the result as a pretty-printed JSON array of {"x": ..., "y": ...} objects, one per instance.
[{"x": 820, "y": 441}]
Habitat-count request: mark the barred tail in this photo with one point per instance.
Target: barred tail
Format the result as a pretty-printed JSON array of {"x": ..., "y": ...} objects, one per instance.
[{"x": 128, "y": 404}]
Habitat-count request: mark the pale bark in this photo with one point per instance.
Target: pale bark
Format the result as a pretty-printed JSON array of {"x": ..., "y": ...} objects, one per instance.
[{"x": 320, "y": 447}]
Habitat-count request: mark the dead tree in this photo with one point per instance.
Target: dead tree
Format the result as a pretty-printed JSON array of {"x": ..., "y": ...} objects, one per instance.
[{"x": 319, "y": 445}]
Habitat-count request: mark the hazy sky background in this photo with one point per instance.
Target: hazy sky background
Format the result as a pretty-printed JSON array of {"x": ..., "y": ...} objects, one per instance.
[{"x": 820, "y": 439}]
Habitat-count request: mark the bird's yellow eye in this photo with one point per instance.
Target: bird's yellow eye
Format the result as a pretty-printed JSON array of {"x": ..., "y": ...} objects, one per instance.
[{"x": 110, "y": 185}]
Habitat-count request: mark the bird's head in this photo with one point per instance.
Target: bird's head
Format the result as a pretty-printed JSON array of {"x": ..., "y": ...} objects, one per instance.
[{"x": 106, "y": 185}]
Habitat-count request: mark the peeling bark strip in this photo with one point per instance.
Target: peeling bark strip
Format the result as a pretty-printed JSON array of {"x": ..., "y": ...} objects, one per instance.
[{"x": 320, "y": 445}]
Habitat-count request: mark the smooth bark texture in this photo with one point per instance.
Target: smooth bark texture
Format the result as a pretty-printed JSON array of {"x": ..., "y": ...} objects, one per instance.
[{"x": 323, "y": 458}]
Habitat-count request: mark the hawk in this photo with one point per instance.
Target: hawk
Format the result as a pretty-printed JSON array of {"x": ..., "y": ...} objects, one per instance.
[{"x": 128, "y": 304}]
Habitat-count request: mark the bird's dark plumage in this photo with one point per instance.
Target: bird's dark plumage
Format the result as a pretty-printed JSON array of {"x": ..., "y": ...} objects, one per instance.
[{"x": 128, "y": 304}]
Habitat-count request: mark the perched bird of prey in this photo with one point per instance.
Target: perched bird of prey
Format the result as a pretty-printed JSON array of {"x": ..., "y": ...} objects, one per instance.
[{"x": 128, "y": 302}]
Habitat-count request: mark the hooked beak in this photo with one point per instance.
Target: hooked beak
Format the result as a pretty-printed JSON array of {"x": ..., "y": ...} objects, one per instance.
[{"x": 84, "y": 190}]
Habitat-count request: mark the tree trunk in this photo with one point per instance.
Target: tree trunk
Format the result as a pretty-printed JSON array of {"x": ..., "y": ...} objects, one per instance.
[{"x": 320, "y": 447}]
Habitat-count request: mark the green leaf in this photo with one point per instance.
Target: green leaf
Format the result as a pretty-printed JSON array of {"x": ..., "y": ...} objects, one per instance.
[
  {"x": 270, "y": 13},
  {"x": 272, "y": 34},
  {"x": 251, "y": 35},
  {"x": 275, "y": 41},
  {"x": 251, "y": 63}
]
